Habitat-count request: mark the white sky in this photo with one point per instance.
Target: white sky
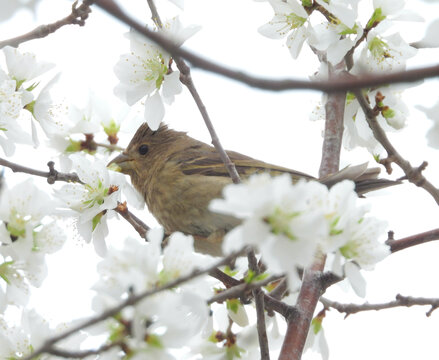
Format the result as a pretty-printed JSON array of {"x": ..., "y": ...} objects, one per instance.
[{"x": 273, "y": 127}]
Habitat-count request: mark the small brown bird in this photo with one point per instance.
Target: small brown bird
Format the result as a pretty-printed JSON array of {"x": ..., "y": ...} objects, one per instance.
[{"x": 178, "y": 176}]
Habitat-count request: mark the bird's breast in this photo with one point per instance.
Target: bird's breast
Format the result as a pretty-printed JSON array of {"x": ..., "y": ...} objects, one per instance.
[{"x": 180, "y": 202}]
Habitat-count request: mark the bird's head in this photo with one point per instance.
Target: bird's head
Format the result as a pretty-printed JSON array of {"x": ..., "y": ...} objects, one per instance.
[{"x": 147, "y": 152}]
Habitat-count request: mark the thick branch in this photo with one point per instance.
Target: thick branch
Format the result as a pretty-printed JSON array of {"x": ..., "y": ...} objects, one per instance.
[
  {"x": 414, "y": 175},
  {"x": 400, "y": 300},
  {"x": 312, "y": 286},
  {"x": 76, "y": 17},
  {"x": 334, "y": 109},
  {"x": 299, "y": 322},
  {"x": 335, "y": 85},
  {"x": 47, "y": 347}
]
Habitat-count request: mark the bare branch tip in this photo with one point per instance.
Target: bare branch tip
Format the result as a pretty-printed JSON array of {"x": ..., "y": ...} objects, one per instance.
[{"x": 53, "y": 174}]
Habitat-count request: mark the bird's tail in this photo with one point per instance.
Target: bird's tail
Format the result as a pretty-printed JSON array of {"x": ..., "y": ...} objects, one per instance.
[{"x": 365, "y": 179}]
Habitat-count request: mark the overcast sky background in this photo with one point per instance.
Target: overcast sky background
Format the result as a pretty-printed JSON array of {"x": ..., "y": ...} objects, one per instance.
[{"x": 273, "y": 127}]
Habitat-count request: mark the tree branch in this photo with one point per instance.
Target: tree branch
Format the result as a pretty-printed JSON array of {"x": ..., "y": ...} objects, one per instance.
[
  {"x": 404, "y": 243},
  {"x": 334, "y": 109},
  {"x": 258, "y": 294},
  {"x": 399, "y": 301},
  {"x": 47, "y": 346},
  {"x": 186, "y": 79},
  {"x": 312, "y": 287},
  {"x": 135, "y": 222},
  {"x": 271, "y": 303},
  {"x": 414, "y": 175},
  {"x": 109, "y": 146},
  {"x": 241, "y": 289},
  {"x": 82, "y": 354},
  {"x": 76, "y": 17},
  {"x": 335, "y": 85},
  {"x": 52, "y": 175}
]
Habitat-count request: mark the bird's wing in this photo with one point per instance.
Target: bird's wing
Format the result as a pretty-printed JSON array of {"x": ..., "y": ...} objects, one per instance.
[{"x": 205, "y": 160}]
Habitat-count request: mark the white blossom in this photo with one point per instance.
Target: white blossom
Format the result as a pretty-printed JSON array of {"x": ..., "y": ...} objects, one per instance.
[
  {"x": 173, "y": 318},
  {"x": 289, "y": 20},
  {"x": 24, "y": 66},
  {"x": 20, "y": 341},
  {"x": 12, "y": 102},
  {"x": 166, "y": 320},
  {"x": 139, "y": 266},
  {"x": 383, "y": 53},
  {"x": 334, "y": 39},
  {"x": 392, "y": 116},
  {"x": 16, "y": 277},
  {"x": 430, "y": 39},
  {"x": 10, "y": 7},
  {"x": 280, "y": 219},
  {"x": 289, "y": 222},
  {"x": 146, "y": 71},
  {"x": 345, "y": 11},
  {"x": 27, "y": 234},
  {"x": 22, "y": 210},
  {"x": 15, "y": 94},
  {"x": 86, "y": 119},
  {"x": 50, "y": 116},
  {"x": 91, "y": 200},
  {"x": 394, "y": 10},
  {"x": 355, "y": 278},
  {"x": 433, "y": 133},
  {"x": 316, "y": 339}
]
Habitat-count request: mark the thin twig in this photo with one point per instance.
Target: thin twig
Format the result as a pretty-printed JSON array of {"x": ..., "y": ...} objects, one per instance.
[
  {"x": 52, "y": 175},
  {"x": 76, "y": 17},
  {"x": 414, "y": 175},
  {"x": 155, "y": 14},
  {"x": 237, "y": 291},
  {"x": 334, "y": 85},
  {"x": 82, "y": 354},
  {"x": 110, "y": 147},
  {"x": 271, "y": 303},
  {"x": 132, "y": 300},
  {"x": 186, "y": 79},
  {"x": 135, "y": 222},
  {"x": 258, "y": 294},
  {"x": 399, "y": 301},
  {"x": 401, "y": 244},
  {"x": 279, "y": 291}
]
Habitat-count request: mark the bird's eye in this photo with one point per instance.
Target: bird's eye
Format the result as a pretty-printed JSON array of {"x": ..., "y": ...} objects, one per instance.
[{"x": 143, "y": 149}]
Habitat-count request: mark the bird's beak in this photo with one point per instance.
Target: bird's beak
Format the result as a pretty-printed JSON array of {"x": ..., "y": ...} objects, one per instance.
[{"x": 122, "y": 163}]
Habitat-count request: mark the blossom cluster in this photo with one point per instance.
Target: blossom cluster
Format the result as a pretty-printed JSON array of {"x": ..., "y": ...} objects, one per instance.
[
  {"x": 289, "y": 223},
  {"x": 147, "y": 70},
  {"x": 373, "y": 45},
  {"x": 27, "y": 233}
]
